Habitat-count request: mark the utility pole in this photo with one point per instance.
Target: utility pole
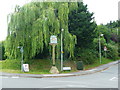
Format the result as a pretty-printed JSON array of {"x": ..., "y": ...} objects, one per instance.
[
  {"x": 62, "y": 49},
  {"x": 99, "y": 49}
]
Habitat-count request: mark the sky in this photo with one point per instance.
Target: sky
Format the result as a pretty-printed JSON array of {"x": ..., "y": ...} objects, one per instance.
[{"x": 104, "y": 11}]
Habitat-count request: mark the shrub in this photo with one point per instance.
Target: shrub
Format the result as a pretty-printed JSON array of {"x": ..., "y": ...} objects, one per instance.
[
  {"x": 112, "y": 52},
  {"x": 88, "y": 56},
  {"x": 2, "y": 51}
]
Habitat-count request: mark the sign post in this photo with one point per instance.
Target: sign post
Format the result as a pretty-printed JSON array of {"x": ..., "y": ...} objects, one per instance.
[
  {"x": 21, "y": 50},
  {"x": 53, "y": 43},
  {"x": 105, "y": 49}
]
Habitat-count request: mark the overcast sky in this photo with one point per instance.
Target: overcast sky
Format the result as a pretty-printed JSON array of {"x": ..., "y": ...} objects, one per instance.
[{"x": 104, "y": 11}]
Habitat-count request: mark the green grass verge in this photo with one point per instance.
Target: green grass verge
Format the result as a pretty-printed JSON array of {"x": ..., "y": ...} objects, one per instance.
[
  {"x": 97, "y": 63},
  {"x": 41, "y": 66},
  {"x": 36, "y": 66}
]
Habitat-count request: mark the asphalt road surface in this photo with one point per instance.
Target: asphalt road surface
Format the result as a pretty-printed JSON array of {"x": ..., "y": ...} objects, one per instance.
[{"x": 105, "y": 79}]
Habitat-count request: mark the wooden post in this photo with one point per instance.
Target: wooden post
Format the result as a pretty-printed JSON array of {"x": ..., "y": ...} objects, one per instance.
[{"x": 53, "y": 54}]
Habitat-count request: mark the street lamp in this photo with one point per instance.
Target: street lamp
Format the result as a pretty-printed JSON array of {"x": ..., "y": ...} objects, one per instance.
[
  {"x": 100, "y": 46},
  {"x": 62, "y": 49},
  {"x": 21, "y": 50}
]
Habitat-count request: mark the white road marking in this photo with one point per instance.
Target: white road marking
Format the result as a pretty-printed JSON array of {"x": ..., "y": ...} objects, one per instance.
[
  {"x": 14, "y": 77},
  {"x": 114, "y": 78}
]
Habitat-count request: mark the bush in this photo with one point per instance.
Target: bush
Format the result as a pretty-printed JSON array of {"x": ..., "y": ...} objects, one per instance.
[
  {"x": 112, "y": 52},
  {"x": 2, "y": 51},
  {"x": 88, "y": 56}
]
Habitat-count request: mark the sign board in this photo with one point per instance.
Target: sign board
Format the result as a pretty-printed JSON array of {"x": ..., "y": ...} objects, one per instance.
[
  {"x": 66, "y": 68},
  {"x": 26, "y": 67},
  {"x": 53, "y": 39},
  {"x": 105, "y": 48}
]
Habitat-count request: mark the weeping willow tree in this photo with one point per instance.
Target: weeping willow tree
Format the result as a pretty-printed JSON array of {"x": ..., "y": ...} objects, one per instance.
[{"x": 32, "y": 25}]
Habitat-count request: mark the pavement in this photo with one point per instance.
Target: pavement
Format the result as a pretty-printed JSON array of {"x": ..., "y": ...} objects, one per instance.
[{"x": 81, "y": 72}]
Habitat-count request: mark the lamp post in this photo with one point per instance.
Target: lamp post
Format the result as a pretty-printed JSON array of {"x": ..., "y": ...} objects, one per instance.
[
  {"x": 100, "y": 47},
  {"x": 62, "y": 49},
  {"x": 21, "y": 50}
]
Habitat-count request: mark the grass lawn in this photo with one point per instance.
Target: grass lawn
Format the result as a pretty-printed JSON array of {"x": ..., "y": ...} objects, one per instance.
[
  {"x": 35, "y": 66},
  {"x": 97, "y": 63},
  {"x": 41, "y": 66}
]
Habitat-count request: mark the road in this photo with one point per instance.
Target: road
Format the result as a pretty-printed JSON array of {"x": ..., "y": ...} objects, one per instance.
[{"x": 105, "y": 79}]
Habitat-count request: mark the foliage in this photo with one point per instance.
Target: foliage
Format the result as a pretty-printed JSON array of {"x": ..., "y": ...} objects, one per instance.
[
  {"x": 2, "y": 51},
  {"x": 88, "y": 56},
  {"x": 110, "y": 31},
  {"x": 32, "y": 25},
  {"x": 82, "y": 25},
  {"x": 102, "y": 42},
  {"x": 113, "y": 24},
  {"x": 102, "y": 29},
  {"x": 112, "y": 52},
  {"x": 119, "y": 41}
]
